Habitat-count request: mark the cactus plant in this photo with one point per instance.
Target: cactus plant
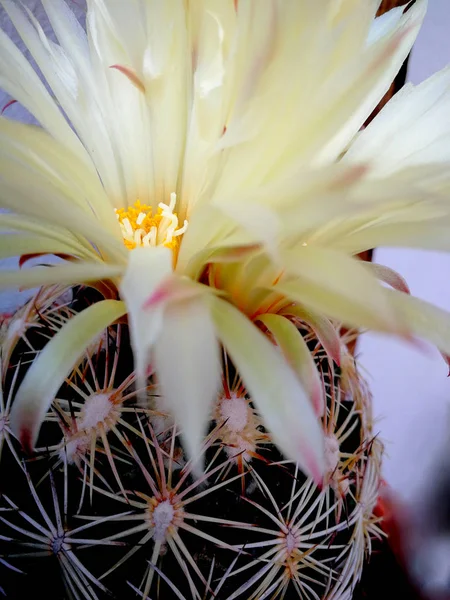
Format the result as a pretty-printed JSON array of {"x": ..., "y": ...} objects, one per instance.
[{"x": 112, "y": 473}]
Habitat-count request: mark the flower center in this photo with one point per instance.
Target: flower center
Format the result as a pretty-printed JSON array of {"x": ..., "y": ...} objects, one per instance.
[{"x": 140, "y": 227}]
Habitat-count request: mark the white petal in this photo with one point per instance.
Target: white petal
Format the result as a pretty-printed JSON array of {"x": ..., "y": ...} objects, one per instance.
[
  {"x": 147, "y": 268},
  {"x": 340, "y": 287},
  {"x": 187, "y": 361},
  {"x": 51, "y": 367},
  {"x": 385, "y": 24},
  {"x": 298, "y": 355},
  {"x": 73, "y": 274},
  {"x": 274, "y": 387},
  {"x": 412, "y": 129}
]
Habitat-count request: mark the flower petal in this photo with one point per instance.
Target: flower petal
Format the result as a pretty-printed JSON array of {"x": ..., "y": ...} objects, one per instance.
[
  {"x": 187, "y": 362},
  {"x": 274, "y": 388},
  {"x": 340, "y": 287},
  {"x": 50, "y": 368},
  {"x": 19, "y": 80},
  {"x": 426, "y": 236},
  {"x": 298, "y": 355},
  {"x": 412, "y": 129},
  {"x": 326, "y": 332},
  {"x": 423, "y": 319},
  {"x": 389, "y": 276},
  {"x": 68, "y": 274},
  {"x": 18, "y": 244},
  {"x": 147, "y": 269}
]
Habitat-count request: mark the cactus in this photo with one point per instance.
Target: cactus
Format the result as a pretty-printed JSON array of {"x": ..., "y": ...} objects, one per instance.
[{"x": 111, "y": 505}]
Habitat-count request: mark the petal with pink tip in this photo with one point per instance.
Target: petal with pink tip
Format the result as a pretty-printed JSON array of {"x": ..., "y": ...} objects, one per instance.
[
  {"x": 297, "y": 353},
  {"x": 50, "y": 368},
  {"x": 147, "y": 269},
  {"x": 274, "y": 387},
  {"x": 323, "y": 328},
  {"x": 187, "y": 362}
]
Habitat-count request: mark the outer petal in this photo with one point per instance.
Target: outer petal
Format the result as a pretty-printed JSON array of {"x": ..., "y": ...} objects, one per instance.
[
  {"x": 40, "y": 153},
  {"x": 392, "y": 50},
  {"x": 325, "y": 331},
  {"x": 274, "y": 387},
  {"x": 65, "y": 274},
  {"x": 413, "y": 128},
  {"x": 18, "y": 78},
  {"x": 389, "y": 276},
  {"x": 17, "y": 244},
  {"x": 427, "y": 236},
  {"x": 340, "y": 287},
  {"x": 298, "y": 355},
  {"x": 187, "y": 361},
  {"x": 48, "y": 371},
  {"x": 146, "y": 270},
  {"x": 424, "y": 320}
]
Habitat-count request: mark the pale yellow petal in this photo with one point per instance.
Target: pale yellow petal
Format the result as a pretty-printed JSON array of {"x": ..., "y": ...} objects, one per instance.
[
  {"x": 426, "y": 236},
  {"x": 412, "y": 129},
  {"x": 10, "y": 223},
  {"x": 27, "y": 193},
  {"x": 51, "y": 367},
  {"x": 73, "y": 274},
  {"x": 388, "y": 275},
  {"x": 187, "y": 362},
  {"x": 18, "y": 244},
  {"x": 19, "y": 80},
  {"x": 326, "y": 332},
  {"x": 298, "y": 355},
  {"x": 76, "y": 86},
  {"x": 340, "y": 287},
  {"x": 423, "y": 319},
  {"x": 274, "y": 388},
  {"x": 147, "y": 269},
  {"x": 38, "y": 152}
]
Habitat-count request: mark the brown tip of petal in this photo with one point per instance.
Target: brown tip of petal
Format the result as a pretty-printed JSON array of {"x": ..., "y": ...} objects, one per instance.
[
  {"x": 26, "y": 439},
  {"x": 131, "y": 75},
  {"x": 7, "y": 105},
  {"x": 446, "y": 357}
]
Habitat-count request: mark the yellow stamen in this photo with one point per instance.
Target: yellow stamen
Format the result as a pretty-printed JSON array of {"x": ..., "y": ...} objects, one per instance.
[{"x": 141, "y": 228}]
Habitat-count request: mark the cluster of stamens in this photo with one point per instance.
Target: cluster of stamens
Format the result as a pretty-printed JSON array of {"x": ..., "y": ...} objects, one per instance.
[{"x": 140, "y": 227}]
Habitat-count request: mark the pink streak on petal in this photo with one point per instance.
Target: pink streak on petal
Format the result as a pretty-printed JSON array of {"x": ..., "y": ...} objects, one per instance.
[{"x": 7, "y": 105}]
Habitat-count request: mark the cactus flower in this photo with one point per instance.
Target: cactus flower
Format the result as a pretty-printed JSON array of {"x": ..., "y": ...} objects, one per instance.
[{"x": 206, "y": 158}]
